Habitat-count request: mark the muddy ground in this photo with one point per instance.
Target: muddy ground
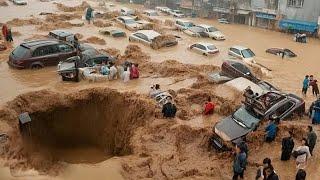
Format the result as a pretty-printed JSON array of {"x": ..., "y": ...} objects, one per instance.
[{"x": 86, "y": 130}]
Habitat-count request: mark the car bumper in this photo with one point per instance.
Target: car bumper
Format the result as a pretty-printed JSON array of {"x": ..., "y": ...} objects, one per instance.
[{"x": 11, "y": 64}]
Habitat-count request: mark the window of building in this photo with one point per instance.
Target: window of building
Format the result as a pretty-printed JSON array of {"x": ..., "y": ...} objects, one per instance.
[{"x": 295, "y": 3}]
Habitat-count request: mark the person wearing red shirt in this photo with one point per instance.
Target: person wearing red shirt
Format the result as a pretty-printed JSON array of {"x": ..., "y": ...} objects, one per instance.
[
  {"x": 134, "y": 71},
  {"x": 208, "y": 107}
]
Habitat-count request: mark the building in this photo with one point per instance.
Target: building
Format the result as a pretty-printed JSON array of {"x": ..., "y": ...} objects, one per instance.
[
  {"x": 265, "y": 13},
  {"x": 300, "y": 15}
]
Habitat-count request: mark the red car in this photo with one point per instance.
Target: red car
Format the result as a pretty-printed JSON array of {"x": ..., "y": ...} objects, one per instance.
[{"x": 40, "y": 53}]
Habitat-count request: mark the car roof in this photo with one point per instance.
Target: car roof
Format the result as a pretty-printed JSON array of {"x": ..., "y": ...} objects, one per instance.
[
  {"x": 149, "y": 11},
  {"x": 125, "y": 17},
  {"x": 204, "y": 25},
  {"x": 184, "y": 20},
  {"x": 239, "y": 47},
  {"x": 37, "y": 43},
  {"x": 205, "y": 44},
  {"x": 61, "y": 33},
  {"x": 151, "y": 34}
]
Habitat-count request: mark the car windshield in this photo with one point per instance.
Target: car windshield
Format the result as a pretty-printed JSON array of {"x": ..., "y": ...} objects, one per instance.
[
  {"x": 211, "y": 47},
  {"x": 188, "y": 24},
  {"x": 247, "y": 53},
  {"x": 20, "y": 52},
  {"x": 129, "y": 21},
  {"x": 244, "y": 117},
  {"x": 212, "y": 29}
]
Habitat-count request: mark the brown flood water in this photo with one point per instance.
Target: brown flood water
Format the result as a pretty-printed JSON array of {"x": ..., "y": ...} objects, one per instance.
[{"x": 286, "y": 73}]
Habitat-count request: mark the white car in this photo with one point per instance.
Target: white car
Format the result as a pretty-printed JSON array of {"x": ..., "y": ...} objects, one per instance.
[
  {"x": 177, "y": 13},
  {"x": 195, "y": 32},
  {"x": 183, "y": 24},
  {"x": 204, "y": 48},
  {"x": 129, "y": 23},
  {"x": 144, "y": 36},
  {"x": 165, "y": 10},
  {"x": 19, "y": 2},
  {"x": 127, "y": 12},
  {"x": 150, "y": 13},
  {"x": 148, "y": 37},
  {"x": 242, "y": 53},
  {"x": 212, "y": 32}
]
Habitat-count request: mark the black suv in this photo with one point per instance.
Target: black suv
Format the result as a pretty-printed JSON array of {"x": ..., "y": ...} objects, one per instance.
[{"x": 40, "y": 53}]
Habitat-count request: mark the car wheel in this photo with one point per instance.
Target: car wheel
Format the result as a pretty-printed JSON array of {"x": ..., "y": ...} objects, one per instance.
[
  {"x": 36, "y": 66},
  {"x": 130, "y": 40},
  {"x": 214, "y": 38},
  {"x": 205, "y": 54}
]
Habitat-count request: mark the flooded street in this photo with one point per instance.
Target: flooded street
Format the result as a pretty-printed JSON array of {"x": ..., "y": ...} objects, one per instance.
[{"x": 159, "y": 148}]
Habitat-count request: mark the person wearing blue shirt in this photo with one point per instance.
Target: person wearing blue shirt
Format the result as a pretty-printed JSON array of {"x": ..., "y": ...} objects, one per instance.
[
  {"x": 305, "y": 85},
  {"x": 271, "y": 130}
]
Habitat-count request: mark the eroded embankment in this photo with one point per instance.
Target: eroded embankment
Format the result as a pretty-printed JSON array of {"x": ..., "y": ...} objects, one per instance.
[{"x": 98, "y": 118}]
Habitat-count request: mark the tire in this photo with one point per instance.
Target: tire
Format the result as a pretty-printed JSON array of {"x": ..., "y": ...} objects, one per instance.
[
  {"x": 36, "y": 66},
  {"x": 205, "y": 54}
]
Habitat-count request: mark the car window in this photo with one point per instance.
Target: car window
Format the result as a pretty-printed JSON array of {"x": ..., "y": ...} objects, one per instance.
[
  {"x": 65, "y": 48},
  {"x": 40, "y": 51},
  {"x": 235, "y": 51},
  {"x": 243, "y": 116},
  {"x": 52, "y": 49},
  {"x": 20, "y": 52},
  {"x": 240, "y": 67},
  {"x": 280, "y": 112},
  {"x": 212, "y": 29},
  {"x": 201, "y": 47},
  {"x": 142, "y": 36},
  {"x": 247, "y": 53},
  {"x": 211, "y": 47},
  {"x": 122, "y": 10}
]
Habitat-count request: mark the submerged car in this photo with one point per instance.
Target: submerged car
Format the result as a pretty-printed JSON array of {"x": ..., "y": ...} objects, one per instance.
[
  {"x": 176, "y": 13},
  {"x": 183, "y": 24},
  {"x": 151, "y": 37},
  {"x": 62, "y": 35},
  {"x": 19, "y": 2},
  {"x": 113, "y": 32},
  {"x": 196, "y": 32},
  {"x": 212, "y": 32},
  {"x": 223, "y": 21},
  {"x": 242, "y": 53},
  {"x": 40, "y": 53},
  {"x": 234, "y": 69},
  {"x": 281, "y": 51},
  {"x": 67, "y": 69},
  {"x": 129, "y": 23},
  {"x": 204, "y": 48},
  {"x": 272, "y": 105}
]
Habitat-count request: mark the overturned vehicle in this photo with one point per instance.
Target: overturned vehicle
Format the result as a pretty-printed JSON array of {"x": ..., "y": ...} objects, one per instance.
[
  {"x": 69, "y": 69},
  {"x": 272, "y": 105}
]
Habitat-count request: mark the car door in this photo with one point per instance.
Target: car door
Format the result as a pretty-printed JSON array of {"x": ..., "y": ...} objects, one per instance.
[
  {"x": 66, "y": 51},
  {"x": 196, "y": 48},
  {"x": 202, "y": 49},
  {"x": 236, "y": 53},
  {"x": 53, "y": 57}
]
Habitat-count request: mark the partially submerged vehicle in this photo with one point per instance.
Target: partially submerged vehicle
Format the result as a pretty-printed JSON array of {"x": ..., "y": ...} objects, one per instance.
[
  {"x": 212, "y": 32},
  {"x": 234, "y": 69},
  {"x": 181, "y": 24},
  {"x": 195, "y": 32},
  {"x": 129, "y": 23},
  {"x": 113, "y": 32},
  {"x": 281, "y": 52},
  {"x": 69, "y": 69},
  {"x": 153, "y": 39},
  {"x": 223, "y": 21},
  {"x": 62, "y": 35},
  {"x": 271, "y": 105},
  {"x": 19, "y": 2},
  {"x": 242, "y": 53},
  {"x": 204, "y": 48},
  {"x": 176, "y": 13}
]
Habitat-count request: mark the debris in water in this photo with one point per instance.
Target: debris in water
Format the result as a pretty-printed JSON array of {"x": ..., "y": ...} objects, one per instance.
[{"x": 95, "y": 40}]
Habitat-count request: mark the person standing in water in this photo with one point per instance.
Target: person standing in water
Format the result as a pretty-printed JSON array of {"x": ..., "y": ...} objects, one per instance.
[
  {"x": 305, "y": 85},
  {"x": 89, "y": 12}
]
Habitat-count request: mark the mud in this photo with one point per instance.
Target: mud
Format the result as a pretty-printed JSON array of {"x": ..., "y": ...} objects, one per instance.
[
  {"x": 162, "y": 40},
  {"x": 36, "y": 37},
  {"x": 57, "y": 126},
  {"x": 100, "y": 23},
  {"x": 65, "y": 8},
  {"x": 62, "y": 17},
  {"x": 95, "y": 40},
  {"x": 3, "y": 3},
  {"x": 112, "y": 51},
  {"x": 24, "y": 22},
  {"x": 55, "y": 25}
]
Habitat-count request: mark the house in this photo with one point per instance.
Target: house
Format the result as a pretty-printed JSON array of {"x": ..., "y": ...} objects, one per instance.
[
  {"x": 300, "y": 15},
  {"x": 265, "y": 13}
]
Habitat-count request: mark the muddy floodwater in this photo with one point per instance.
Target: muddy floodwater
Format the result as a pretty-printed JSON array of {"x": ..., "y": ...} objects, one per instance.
[{"x": 162, "y": 146}]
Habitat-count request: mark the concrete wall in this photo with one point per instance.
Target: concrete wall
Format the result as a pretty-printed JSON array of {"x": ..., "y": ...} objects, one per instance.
[
  {"x": 265, "y": 4},
  {"x": 309, "y": 12}
]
